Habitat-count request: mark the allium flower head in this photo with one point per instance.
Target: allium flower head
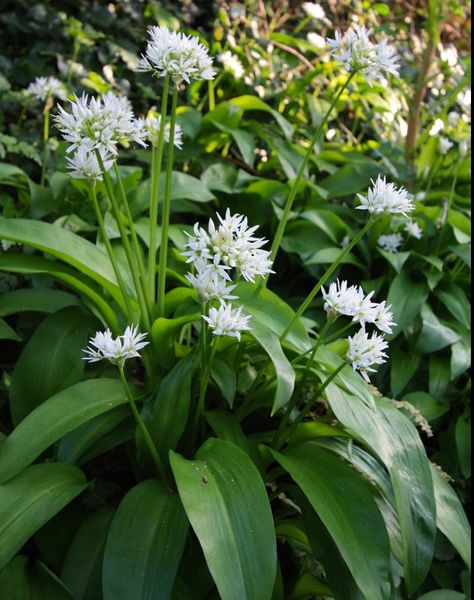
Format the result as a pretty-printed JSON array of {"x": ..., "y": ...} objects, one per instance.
[
  {"x": 413, "y": 229},
  {"x": 180, "y": 56},
  {"x": 356, "y": 53},
  {"x": 99, "y": 123},
  {"x": 117, "y": 351},
  {"x": 209, "y": 285},
  {"x": 151, "y": 127},
  {"x": 84, "y": 164},
  {"x": 365, "y": 351},
  {"x": 47, "y": 87},
  {"x": 391, "y": 242},
  {"x": 384, "y": 198},
  {"x": 227, "y": 321},
  {"x": 352, "y": 302}
]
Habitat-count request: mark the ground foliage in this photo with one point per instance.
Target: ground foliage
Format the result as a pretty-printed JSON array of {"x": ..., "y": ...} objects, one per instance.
[{"x": 243, "y": 143}]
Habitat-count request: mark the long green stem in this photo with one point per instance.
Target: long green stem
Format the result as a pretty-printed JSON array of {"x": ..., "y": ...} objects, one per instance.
[
  {"x": 296, "y": 394},
  {"x": 165, "y": 218},
  {"x": 110, "y": 252},
  {"x": 212, "y": 95},
  {"x": 143, "y": 428},
  {"x": 310, "y": 404},
  {"x": 156, "y": 165},
  {"x": 203, "y": 386},
  {"x": 136, "y": 245},
  {"x": 294, "y": 188},
  {"x": 45, "y": 144},
  {"x": 325, "y": 277},
  {"x": 126, "y": 244}
]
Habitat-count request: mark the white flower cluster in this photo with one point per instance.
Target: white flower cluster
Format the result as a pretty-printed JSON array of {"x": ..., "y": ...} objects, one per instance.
[
  {"x": 117, "y": 351},
  {"x": 390, "y": 242},
  {"x": 365, "y": 351},
  {"x": 356, "y": 53},
  {"x": 414, "y": 230},
  {"x": 47, "y": 87},
  {"x": 97, "y": 124},
  {"x": 232, "y": 63},
  {"x": 315, "y": 11},
  {"x": 219, "y": 255},
  {"x": 384, "y": 198},
  {"x": 180, "y": 56},
  {"x": 352, "y": 302},
  {"x": 151, "y": 126}
]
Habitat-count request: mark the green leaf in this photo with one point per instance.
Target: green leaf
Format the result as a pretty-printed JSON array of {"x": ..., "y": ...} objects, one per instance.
[
  {"x": 25, "y": 579},
  {"x": 403, "y": 366},
  {"x": 443, "y": 595},
  {"x": 455, "y": 300},
  {"x": 434, "y": 334},
  {"x": 462, "y": 434},
  {"x": 51, "y": 361},
  {"x": 397, "y": 443},
  {"x": 396, "y": 259},
  {"x": 406, "y": 298},
  {"x": 429, "y": 407},
  {"x": 351, "y": 178},
  {"x": 450, "y": 516},
  {"x": 225, "y": 378},
  {"x": 7, "y": 332},
  {"x": 35, "y": 300},
  {"x": 227, "y": 504},
  {"x": 56, "y": 417},
  {"x": 82, "y": 567},
  {"x": 344, "y": 503},
  {"x": 144, "y": 545},
  {"x": 186, "y": 187},
  {"x": 32, "y": 498},
  {"x": 254, "y": 103},
  {"x": 227, "y": 428},
  {"x": 164, "y": 333},
  {"x": 67, "y": 246}
]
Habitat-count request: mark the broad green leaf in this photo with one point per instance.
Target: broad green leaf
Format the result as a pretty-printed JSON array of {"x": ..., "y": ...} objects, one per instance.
[
  {"x": 164, "y": 333},
  {"x": 23, "y": 263},
  {"x": 144, "y": 545},
  {"x": 67, "y": 246},
  {"x": 464, "y": 252},
  {"x": 35, "y": 300},
  {"x": 462, "y": 434},
  {"x": 429, "y": 407},
  {"x": 25, "y": 579},
  {"x": 443, "y": 595},
  {"x": 396, "y": 259},
  {"x": 225, "y": 378},
  {"x": 270, "y": 310},
  {"x": 55, "y": 418},
  {"x": 170, "y": 408},
  {"x": 434, "y": 334},
  {"x": 51, "y": 361},
  {"x": 184, "y": 186},
  {"x": 406, "y": 298},
  {"x": 450, "y": 516},
  {"x": 96, "y": 436},
  {"x": 82, "y": 568},
  {"x": 32, "y": 498},
  {"x": 455, "y": 300},
  {"x": 227, "y": 427},
  {"x": 343, "y": 501},
  {"x": 309, "y": 586},
  {"x": 351, "y": 178},
  {"x": 460, "y": 356},
  {"x": 397, "y": 443},
  {"x": 285, "y": 374},
  {"x": 402, "y": 368},
  {"x": 254, "y": 103},
  {"x": 7, "y": 332},
  {"x": 227, "y": 504}
]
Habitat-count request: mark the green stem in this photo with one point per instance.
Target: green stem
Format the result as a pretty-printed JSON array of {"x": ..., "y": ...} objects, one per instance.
[
  {"x": 294, "y": 188},
  {"x": 339, "y": 332},
  {"x": 45, "y": 144},
  {"x": 165, "y": 218},
  {"x": 156, "y": 165},
  {"x": 143, "y": 428},
  {"x": 110, "y": 251},
  {"x": 126, "y": 244},
  {"x": 310, "y": 404},
  {"x": 212, "y": 95},
  {"x": 325, "y": 277},
  {"x": 203, "y": 386},
  {"x": 291, "y": 404},
  {"x": 136, "y": 245}
]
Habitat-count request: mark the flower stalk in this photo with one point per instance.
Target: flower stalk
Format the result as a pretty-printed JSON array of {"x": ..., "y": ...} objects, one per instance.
[{"x": 46, "y": 113}]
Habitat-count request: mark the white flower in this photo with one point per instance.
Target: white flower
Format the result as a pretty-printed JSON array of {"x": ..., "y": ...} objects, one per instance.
[
  {"x": 151, "y": 126},
  {"x": 181, "y": 57},
  {"x": 413, "y": 229},
  {"x": 84, "y": 164},
  {"x": 232, "y": 64},
  {"x": 444, "y": 144},
  {"x": 226, "y": 321},
  {"x": 356, "y": 53},
  {"x": 315, "y": 11},
  {"x": 437, "y": 126},
  {"x": 316, "y": 40},
  {"x": 364, "y": 352},
  {"x": 229, "y": 245},
  {"x": 99, "y": 123},
  {"x": 117, "y": 351},
  {"x": 390, "y": 243},
  {"x": 352, "y": 302},
  {"x": 384, "y": 198},
  {"x": 47, "y": 87},
  {"x": 210, "y": 286}
]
